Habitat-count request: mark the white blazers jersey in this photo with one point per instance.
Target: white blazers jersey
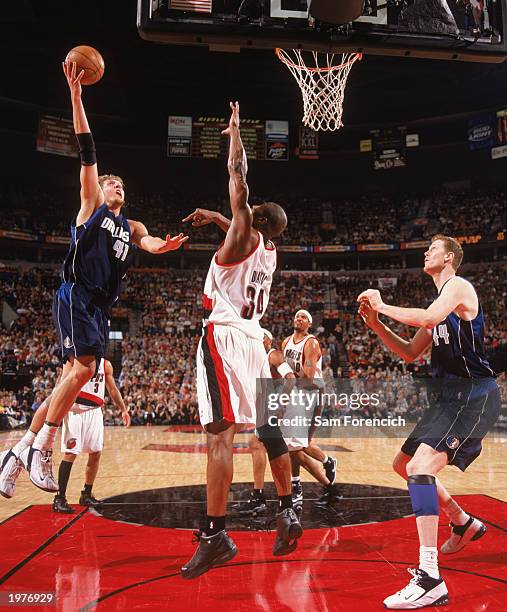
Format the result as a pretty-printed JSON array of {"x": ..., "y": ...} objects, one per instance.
[
  {"x": 237, "y": 294},
  {"x": 92, "y": 394},
  {"x": 294, "y": 353}
]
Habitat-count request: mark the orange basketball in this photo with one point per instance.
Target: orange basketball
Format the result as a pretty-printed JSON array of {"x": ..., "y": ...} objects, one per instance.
[{"x": 89, "y": 60}]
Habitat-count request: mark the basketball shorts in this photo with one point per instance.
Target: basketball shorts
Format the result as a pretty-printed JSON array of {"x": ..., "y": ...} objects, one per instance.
[
  {"x": 229, "y": 365},
  {"x": 297, "y": 436},
  {"x": 83, "y": 431},
  {"x": 458, "y": 421},
  {"x": 81, "y": 326}
]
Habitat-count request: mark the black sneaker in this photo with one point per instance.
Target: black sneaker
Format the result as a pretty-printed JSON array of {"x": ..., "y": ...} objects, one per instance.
[
  {"x": 212, "y": 551},
  {"x": 329, "y": 496},
  {"x": 297, "y": 494},
  {"x": 60, "y": 505},
  {"x": 256, "y": 504},
  {"x": 87, "y": 499},
  {"x": 330, "y": 469},
  {"x": 288, "y": 530}
]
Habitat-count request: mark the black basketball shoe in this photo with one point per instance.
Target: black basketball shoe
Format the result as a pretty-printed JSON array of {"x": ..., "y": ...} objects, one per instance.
[
  {"x": 329, "y": 496},
  {"x": 288, "y": 530},
  {"x": 87, "y": 499},
  {"x": 297, "y": 494},
  {"x": 60, "y": 505},
  {"x": 330, "y": 469},
  {"x": 212, "y": 551},
  {"x": 256, "y": 504}
]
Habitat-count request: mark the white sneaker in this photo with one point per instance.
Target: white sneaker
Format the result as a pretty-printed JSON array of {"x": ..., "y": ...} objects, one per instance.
[
  {"x": 421, "y": 591},
  {"x": 461, "y": 535},
  {"x": 10, "y": 467},
  {"x": 39, "y": 464}
]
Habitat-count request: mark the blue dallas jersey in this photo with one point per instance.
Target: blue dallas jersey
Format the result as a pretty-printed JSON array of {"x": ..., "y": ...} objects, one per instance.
[
  {"x": 458, "y": 348},
  {"x": 100, "y": 254}
]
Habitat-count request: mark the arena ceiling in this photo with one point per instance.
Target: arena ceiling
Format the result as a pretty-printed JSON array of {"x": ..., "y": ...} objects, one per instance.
[{"x": 145, "y": 82}]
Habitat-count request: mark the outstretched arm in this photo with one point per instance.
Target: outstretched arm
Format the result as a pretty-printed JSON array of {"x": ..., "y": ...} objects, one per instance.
[
  {"x": 151, "y": 244},
  {"x": 240, "y": 238},
  {"x": 114, "y": 393},
  {"x": 91, "y": 193},
  {"x": 201, "y": 217},
  {"x": 408, "y": 350},
  {"x": 456, "y": 293}
]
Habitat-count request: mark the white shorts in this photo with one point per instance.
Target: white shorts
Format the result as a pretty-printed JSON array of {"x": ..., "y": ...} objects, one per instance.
[
  {"x": 229, "y": 363},
  {"x": 83, "y": 431}
]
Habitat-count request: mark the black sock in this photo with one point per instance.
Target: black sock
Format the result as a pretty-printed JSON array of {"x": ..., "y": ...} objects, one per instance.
[
  {"x": 88, "y": 489},
  {"x": 258, "y": 492},
  {"x": 285, "y": 501},
  {"x": 63, "y": 477},
  {"x": 214, "y": 524}
]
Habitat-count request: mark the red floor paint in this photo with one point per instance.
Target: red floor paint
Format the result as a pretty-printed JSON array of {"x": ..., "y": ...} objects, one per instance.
[{"x": 128, "y": 567}]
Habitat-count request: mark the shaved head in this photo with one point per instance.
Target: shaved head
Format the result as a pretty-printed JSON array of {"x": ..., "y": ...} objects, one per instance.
[{"x": 270, "y": 218}]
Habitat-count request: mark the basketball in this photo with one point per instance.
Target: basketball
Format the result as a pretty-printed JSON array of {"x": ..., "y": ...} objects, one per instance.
[{"x": 89, "y": 60}]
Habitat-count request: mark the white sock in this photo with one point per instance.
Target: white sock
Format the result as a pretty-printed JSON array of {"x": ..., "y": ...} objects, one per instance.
[
  {"x": 45, "y": 438},
  {"x": 428, "y": 560},
  {"x": 295, "y": 478},
  {"x": 455, "y": 512},
  {"x": 326, "y": 459},
  {"x": 25, "y": 442}
]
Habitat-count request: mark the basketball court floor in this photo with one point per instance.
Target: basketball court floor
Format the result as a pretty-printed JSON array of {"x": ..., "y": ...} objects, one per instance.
[{"x": 127, "y": 555}]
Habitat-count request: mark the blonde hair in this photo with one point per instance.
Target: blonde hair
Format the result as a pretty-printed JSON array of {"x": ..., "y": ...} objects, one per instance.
[
  {"x": 110, "y": 177},
  {"x": 451, "y": 246}
]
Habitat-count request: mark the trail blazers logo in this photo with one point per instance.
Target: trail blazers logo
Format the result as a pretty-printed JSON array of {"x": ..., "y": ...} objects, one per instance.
[{"x": 67, "y": 343}]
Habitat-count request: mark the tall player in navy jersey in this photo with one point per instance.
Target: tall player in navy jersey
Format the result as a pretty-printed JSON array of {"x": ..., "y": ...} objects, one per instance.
[
  {"x": 451, "y": 432},
  {"x": 99, "y": 255}
]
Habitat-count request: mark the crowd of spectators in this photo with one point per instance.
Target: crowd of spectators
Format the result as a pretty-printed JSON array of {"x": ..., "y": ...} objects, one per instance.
[
  {"x": 157, "y": 369},
  {"x": 365, "y": 219}
]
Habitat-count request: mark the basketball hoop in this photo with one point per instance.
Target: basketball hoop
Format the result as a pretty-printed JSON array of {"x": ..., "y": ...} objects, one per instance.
[{"x": 322, "y": 85}]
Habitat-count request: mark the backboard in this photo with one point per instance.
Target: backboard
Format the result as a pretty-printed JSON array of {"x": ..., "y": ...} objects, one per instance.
[{"x": 439, "y": 29}]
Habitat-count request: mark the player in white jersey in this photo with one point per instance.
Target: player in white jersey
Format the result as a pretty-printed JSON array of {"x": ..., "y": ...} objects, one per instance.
[
  {"x": 231, "y": 359},
  {"x": 302, "y": 352},
  {"x": 83, "y": 432},
  {"x": 11, "y": 465}
]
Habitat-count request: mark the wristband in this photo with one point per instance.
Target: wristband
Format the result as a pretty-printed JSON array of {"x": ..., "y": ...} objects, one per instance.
[
  {"x": 87, "y": 149},
  {"x": 283, "y": 369}
]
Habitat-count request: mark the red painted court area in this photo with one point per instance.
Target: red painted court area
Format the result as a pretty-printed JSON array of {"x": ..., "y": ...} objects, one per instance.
[{"x": 97, "y": 564}]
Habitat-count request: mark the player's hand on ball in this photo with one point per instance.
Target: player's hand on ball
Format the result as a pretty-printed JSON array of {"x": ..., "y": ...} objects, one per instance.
[
  {"x": 369, "y": 316},
  {"x": 372, "y": 296},
  {"x": 200, "y": 217},
  {"x": 171, "y": 244},
  {"x": 73, "y": 80},
  {"x": 234, "y": 120}
]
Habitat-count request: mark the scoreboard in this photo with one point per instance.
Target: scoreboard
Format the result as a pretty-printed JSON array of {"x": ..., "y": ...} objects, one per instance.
[{"x": 202, "y": 137}]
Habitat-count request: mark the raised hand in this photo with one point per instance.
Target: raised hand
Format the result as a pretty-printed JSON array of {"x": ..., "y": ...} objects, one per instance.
[
  {"x": 234, "y": 120},
  {"x": 369, "y": 316},
  {"x": 372, "y": 296},
  {"x": 74, "y": 82},
  {"x": 200, "y": 217},
  {"x": 171, "y": 244}
]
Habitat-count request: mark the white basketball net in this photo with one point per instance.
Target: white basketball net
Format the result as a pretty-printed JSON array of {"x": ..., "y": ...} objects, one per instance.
[{"x": 322, "y": 85}]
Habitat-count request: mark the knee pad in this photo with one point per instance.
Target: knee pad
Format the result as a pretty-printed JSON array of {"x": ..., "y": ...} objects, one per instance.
[
  {"x": 423, "y": 494},
  {"x": 271, "y": 437}
]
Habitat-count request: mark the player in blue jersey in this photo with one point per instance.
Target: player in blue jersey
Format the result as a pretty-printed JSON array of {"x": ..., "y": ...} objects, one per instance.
[
  {"x": 451, "y": 432},
  {"x": 100, "y": 253}
]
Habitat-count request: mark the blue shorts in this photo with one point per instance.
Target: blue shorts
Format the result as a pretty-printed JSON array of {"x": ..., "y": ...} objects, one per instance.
[
  {"x": 458, "y": 421},
  {"x": 81, "y": 326}
]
